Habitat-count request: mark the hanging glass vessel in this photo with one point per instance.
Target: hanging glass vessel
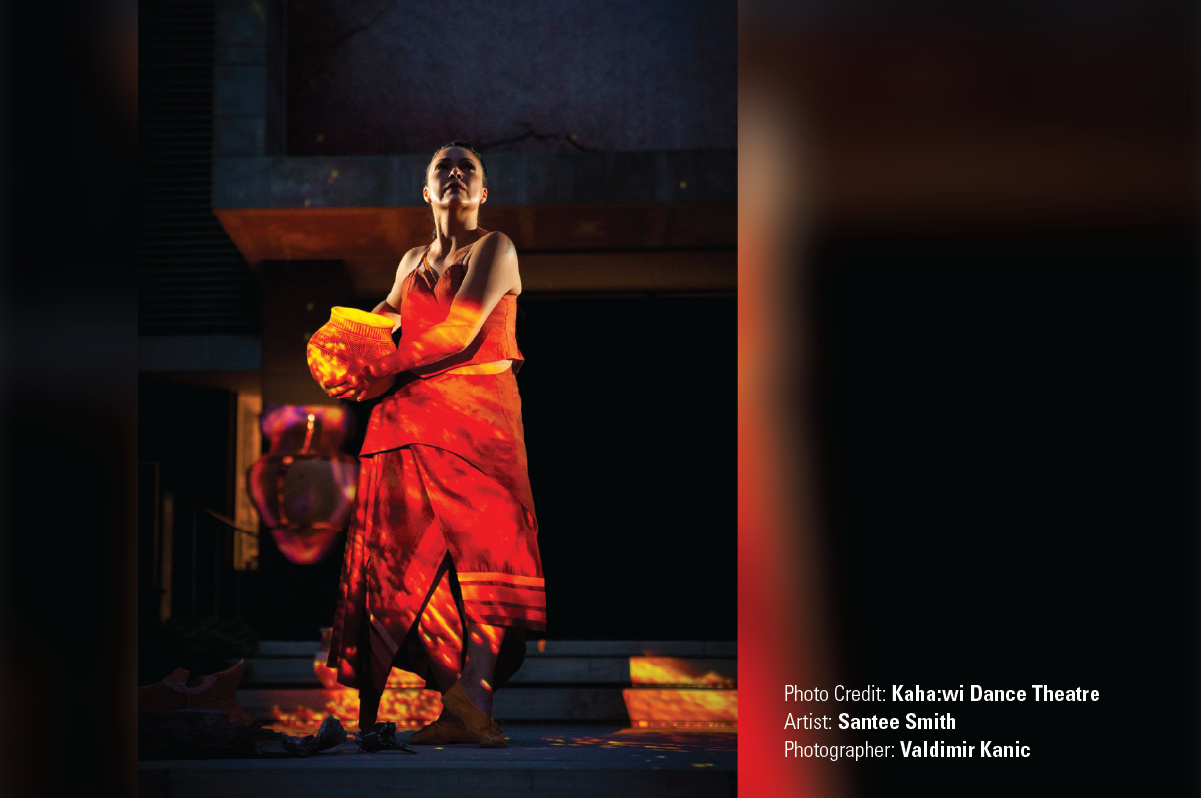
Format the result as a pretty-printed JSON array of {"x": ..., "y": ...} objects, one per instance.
[{"x": 304, "y": 486}]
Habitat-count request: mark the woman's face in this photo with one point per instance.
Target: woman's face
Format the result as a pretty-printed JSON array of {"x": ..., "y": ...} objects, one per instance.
[{"x": 455, "y": 178}]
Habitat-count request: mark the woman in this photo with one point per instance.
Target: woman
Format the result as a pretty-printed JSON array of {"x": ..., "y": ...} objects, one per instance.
[{"x": 442, "y": 574}]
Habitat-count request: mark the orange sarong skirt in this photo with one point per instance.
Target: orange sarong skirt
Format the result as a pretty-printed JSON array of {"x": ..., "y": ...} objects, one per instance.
[{"x": 435, "y": 541}]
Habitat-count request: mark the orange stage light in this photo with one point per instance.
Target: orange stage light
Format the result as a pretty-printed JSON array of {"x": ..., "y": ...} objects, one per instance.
[
  {"x": 677, "y": 671},
  {"x": 682, "y": 708},
  {"x": 700, "y": 696}
]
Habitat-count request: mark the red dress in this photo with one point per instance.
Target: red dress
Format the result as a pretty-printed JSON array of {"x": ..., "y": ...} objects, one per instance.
[{"x": 444, "y": 524}]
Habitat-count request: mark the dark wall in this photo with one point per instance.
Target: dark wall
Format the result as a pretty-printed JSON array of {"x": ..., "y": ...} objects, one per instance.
[
  {"x": 1009, "y": 448},
  {"x": 189, "y": 432},
  {"x": 286, "y": 601},
  {"x": 372, "y": 76},
  {"x": 629, "y": 409},
  {"x": 191, "y": 277}
]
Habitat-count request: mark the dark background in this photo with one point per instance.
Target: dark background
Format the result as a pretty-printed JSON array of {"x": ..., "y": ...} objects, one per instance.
[
  {"x": 68, "y": 311},
  {"x": 1008, "y": 441},
  {"x": 374, "y": 76},
  {"x": 628, "y": 405}
]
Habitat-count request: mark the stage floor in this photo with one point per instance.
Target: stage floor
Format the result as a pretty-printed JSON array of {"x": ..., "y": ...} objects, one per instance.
[{"x": 575, "y": 761}]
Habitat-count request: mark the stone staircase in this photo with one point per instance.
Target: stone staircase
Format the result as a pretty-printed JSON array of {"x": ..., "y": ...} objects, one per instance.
[
  {"x": 665, "y": 684},
  {"x": 589, "y": 719}
]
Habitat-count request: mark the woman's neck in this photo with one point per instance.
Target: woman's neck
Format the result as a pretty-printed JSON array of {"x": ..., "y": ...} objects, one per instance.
[{"x": 453, "y": 233}]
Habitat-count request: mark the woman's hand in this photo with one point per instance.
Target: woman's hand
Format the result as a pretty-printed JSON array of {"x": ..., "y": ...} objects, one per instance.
[{"x": 360, "y": 375}]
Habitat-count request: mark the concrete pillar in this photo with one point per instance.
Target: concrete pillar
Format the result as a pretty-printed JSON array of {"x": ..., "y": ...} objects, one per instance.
[{"x": 249, "y": 78}]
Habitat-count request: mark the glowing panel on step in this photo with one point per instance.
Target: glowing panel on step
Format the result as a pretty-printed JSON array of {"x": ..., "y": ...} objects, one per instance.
[
  {"x": 682, "y": 708},
  {"x": 678, "y": 671}
]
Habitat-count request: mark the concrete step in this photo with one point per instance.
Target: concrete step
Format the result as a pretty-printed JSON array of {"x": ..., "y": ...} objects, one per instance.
[
  {"x": 617, "y": 663},
  {"x": 280, "y": 671},
  {"x": 569, "y": 670},
  {"x": 288, "y": 648},
  {"x": 700, "y": 707},
  {"x": 527, "y": 704},
  {"x": 556, "y": 648},
  {"x": 627, "y": 671},
  {"x": 646, "y": 684},
  {"x": 295, "y": 671},
  {"x": 587, "y": 762},
  {"x": 631, "y": 648}
]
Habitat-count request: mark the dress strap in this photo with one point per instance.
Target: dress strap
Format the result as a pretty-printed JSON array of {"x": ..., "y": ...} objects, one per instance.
[
  {"x": 430, "y": 276},
  {"x": 427, "y": 272}
]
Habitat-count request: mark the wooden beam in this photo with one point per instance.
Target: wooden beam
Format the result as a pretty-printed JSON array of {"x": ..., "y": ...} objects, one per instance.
[{"x": 384, "y": 234}]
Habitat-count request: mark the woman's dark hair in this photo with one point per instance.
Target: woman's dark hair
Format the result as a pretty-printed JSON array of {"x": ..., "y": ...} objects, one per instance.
[{"x": 464, "y": 145}]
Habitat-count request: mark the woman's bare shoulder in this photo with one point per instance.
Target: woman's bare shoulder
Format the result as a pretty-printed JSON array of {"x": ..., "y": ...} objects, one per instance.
[
  {"x": 499, "y": 254},
  {"x": 410, "y": 261},
  {"x": 495, "y": 235},
  {"x": 497, "y": 242}
]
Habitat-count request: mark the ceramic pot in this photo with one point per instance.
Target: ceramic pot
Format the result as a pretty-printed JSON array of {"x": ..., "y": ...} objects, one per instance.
[{"x": 349, "y": 333}]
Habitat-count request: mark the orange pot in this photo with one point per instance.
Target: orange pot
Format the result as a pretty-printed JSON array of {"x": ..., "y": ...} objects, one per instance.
[{"x": 349, "y": 333}]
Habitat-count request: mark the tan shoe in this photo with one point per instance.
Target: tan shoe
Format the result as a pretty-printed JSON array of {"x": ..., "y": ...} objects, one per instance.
[
  {"x": 484, "y": 731},
  {"x": 441, "y": 732},
  {"x": 213, "y": 692}
]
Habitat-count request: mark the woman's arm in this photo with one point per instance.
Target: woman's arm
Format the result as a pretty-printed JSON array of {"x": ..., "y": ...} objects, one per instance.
[
  {"x": 492, "y": 274},
  {"x": 385, "y": 309}
]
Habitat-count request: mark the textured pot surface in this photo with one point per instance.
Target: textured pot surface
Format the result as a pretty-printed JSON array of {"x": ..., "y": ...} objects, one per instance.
[{"x": 348, "y": 334}]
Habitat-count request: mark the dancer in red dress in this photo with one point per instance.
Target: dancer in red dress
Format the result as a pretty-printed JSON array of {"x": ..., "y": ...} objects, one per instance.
[{"x": 442, "y": 574}]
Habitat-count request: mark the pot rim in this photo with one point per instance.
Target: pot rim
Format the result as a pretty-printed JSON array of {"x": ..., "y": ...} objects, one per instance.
[{"x": 360, "y": 317}]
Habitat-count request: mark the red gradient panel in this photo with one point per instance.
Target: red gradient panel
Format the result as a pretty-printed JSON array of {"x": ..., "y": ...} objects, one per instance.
[{"x": 780, "y": 640}]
